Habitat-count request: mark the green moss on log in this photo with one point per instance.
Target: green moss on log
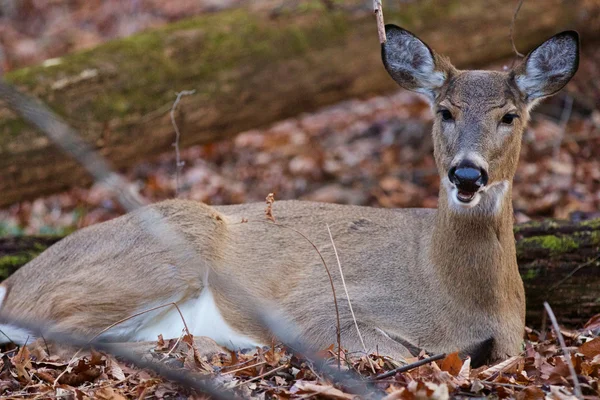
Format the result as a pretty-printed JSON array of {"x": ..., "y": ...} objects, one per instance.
[{"x": 553, "y": 244}]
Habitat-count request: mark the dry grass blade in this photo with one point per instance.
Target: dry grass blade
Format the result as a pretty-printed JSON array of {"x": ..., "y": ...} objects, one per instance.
[
  {"x": 337, "y": 310},
  {"x": 362, "y": 342},
  {"x": 576, "y": 387}
]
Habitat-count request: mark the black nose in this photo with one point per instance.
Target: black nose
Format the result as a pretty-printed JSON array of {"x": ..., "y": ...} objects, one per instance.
[{"x": 467, "y": 177}]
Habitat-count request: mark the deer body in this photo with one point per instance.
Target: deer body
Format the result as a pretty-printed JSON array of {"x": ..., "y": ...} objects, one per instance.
[{"x": 443, "y": 280}]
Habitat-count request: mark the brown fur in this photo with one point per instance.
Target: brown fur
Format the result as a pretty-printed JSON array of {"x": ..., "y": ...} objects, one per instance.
[{"x": 436, "y": 279}]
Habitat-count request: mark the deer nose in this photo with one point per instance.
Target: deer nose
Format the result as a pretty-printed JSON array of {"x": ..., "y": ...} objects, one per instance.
[{"x": 467, "y": 177}]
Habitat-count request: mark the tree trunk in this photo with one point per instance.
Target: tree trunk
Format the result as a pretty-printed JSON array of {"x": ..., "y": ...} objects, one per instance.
[
  {"x": 249, "y": 69},
  {"x": 558, "y": 260}
]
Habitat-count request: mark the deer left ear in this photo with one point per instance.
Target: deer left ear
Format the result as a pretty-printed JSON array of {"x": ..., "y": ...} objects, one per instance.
[
  {"x": 412, "y": 64},
  {"x": 549, "y": 67}
]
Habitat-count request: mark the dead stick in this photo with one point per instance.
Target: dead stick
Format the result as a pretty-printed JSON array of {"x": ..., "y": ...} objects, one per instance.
[
  {"x": 261, "y": 376},
  {"x": 567, "y": 353},
  {"x": 408, "y": 367},
  {"x": 378, "y": 10}
]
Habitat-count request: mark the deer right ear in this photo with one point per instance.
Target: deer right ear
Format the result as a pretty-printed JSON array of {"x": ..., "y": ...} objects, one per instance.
[
  {"x": 549, "y": 67},
  {"x": 411, "y": 63}
]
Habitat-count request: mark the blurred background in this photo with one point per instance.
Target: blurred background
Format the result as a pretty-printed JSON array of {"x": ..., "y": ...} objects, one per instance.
[{"x": 290, "y": 98}]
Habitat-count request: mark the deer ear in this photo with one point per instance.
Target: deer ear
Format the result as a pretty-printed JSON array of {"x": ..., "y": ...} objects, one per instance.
[
  {"x": 549, "y": 67},
  {"x": 411, "y": 63}
]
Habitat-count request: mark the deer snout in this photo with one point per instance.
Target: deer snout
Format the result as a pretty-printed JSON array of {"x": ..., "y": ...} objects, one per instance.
[{"x": 467, "y": 177}]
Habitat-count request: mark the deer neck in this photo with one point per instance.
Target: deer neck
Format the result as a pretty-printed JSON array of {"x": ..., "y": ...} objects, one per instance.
[{"x": 474, "y": 255}]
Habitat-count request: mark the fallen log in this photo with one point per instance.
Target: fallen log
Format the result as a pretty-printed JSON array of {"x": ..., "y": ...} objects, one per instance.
[
  {"x": 559, "y": 262},
  {"x": 249, "y": 69}
]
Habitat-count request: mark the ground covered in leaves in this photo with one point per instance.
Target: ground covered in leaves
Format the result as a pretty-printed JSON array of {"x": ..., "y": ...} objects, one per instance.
[{"x": 541, "y": 371}]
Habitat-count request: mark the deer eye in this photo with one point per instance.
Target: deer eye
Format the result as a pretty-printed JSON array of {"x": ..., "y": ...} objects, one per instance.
[
  {"x": 509, "y": 118},
  {"x": 446, "y": 115}
]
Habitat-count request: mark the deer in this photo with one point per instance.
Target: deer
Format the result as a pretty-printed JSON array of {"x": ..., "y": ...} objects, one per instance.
[{"x": 442, "y": 279}]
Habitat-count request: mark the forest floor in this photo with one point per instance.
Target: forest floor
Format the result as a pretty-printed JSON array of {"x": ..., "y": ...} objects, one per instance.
[{"x": 375, "y": 152}]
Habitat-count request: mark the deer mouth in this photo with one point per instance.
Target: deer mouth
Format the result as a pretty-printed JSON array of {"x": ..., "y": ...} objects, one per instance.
[{"x": 465, "y": 196}]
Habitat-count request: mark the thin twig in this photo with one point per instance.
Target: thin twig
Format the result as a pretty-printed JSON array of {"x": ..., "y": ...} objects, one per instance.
[
  {"x": 570, "y": 274},
  {"x": 566, "y": 352},
  {"x": 117, "y": 323},
  {"x": 564, "y": 119},
  {"x": 512, "y": 29},
  {"x": 408, "y": 367},
  {"x": 187, "y": 331},
  {"x": 175, "y": 345},
  {"x": 244, "y": 368},
  {"x": 261, "y": 376},
  {"x": 337, "y": 310},
  {"x": 178, "y": 163},
  {"x": 378, "y": 10},
  {"x": 349, "y": 302}
]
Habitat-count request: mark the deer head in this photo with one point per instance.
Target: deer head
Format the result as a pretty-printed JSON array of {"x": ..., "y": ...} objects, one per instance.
[{"x": 479, "y": 115}]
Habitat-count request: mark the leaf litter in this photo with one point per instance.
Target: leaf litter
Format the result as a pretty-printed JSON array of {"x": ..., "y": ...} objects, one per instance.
[{"x": 539, "y": 372}]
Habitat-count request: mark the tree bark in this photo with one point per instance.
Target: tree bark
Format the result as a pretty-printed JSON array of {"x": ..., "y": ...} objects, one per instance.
[
  {"x": 249, "y": 69},
  {"x": 559, "y": 262}
]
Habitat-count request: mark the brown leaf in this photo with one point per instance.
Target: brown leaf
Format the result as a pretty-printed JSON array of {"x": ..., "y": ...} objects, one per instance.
[
  {"x": 451, "y": 364},
  {"x": 22, "y": 363},
  {"x": 590, "y": 349},
  {"x": 323, "y": 391},
  {"x": 108, "y": 393},
  {"x": 531, "y": 393},
  {"x": 500, "y": 367},
  {"x": 593, "y": 323}
]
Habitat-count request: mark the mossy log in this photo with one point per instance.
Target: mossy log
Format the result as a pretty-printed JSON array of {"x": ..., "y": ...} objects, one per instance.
[
  {"x": 560, "y": 263},
  {"x": 558, "y": 260},
  {"x": 249, "y": 69}
]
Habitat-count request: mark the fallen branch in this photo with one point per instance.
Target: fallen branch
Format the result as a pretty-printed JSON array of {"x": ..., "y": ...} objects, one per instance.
[{"x": 408, "y": 367}]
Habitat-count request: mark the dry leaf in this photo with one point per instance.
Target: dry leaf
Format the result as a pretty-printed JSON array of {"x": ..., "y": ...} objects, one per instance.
[
  {"x": 451, "y": 364},
  {"x": 591, "y": 348},
  {"x": 500, "y": 367},
  {"x": 531, "y": 393},
  {"x": 324, "y": 391}
]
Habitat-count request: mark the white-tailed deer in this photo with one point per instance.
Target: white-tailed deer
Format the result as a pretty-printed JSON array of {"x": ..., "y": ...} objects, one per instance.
[{"x": 442, "y": 280}]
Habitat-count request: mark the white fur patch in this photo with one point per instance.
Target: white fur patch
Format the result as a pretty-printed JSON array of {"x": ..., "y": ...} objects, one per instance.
[
  {"x": 203, "y": 319},
  {"x": 14, "y": 334},
  {"x": 488, "y": 201}
]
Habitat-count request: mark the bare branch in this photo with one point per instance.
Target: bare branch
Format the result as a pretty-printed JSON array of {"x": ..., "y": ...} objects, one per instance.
[
  {"x": 512, "y": 29},
  {"x": 178, "y": 163}
]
